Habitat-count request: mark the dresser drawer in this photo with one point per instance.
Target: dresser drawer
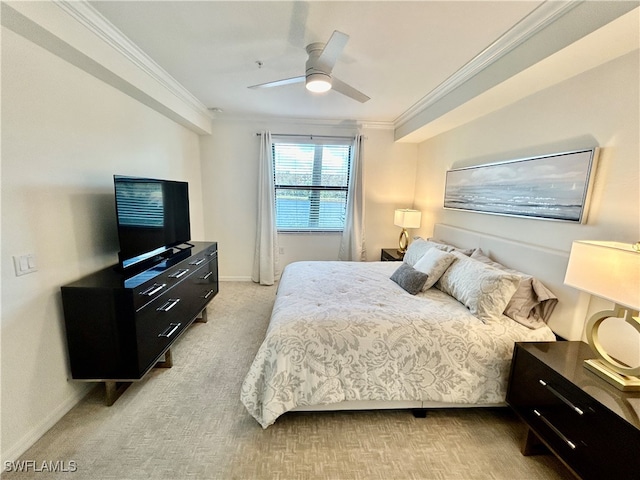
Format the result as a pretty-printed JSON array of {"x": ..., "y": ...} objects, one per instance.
[
  {"x": 207, "y": 275},
  {"x": 162, "y": 278},
  {"x": 198, "y": 288},
  {"x": 162, "y": 320},
  {"x": 203, "y": 258},
  {"x": 158, "y": 325}
]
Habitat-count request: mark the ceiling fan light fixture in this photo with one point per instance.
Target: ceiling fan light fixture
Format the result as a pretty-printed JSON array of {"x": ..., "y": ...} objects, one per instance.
[
  {"x": 318, "y": 82},
  {"x": 318, "y": 76}
]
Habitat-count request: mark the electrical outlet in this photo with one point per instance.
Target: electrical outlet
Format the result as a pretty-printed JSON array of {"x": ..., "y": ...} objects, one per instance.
[
  {"x": 24, "y": 264},
  {"x": 281, "y": 250}
]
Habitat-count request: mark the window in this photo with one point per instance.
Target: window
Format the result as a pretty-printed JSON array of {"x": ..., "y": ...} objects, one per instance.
[{"x": 311, "y": 179}]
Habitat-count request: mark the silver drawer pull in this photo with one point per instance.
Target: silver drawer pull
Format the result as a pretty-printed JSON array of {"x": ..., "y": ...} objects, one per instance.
[
  {"x": 197, "y": 261},
  {"x": 204, "y": 277},
  {"x": 571, "y": 445},
  {"x": 172, "y": 302},
  {"x": 210, "y": 254},
  {"x": 578, "y": 410},
  {"x": 208, "y": 294},
  {"x": 153, "y": 289},
  {"x": 179, "y": 273},
  {"x": 171, "y": 329}
]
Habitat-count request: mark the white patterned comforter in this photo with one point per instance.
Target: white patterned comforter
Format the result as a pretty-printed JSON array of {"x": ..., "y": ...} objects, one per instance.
[{"x": 343, "y": 331}]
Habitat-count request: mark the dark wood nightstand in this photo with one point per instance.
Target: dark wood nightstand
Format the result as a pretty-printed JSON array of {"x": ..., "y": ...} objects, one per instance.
[
  {"x": 588, "y": 424},
  {"x": 391, "y": 255}
]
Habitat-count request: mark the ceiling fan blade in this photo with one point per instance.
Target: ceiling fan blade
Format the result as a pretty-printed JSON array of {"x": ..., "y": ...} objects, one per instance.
[
  {"x": 279, "y": 83},
  {"x": 341, "y": 87},
  {"x": 333, "y": 49},
  {"x": 298, "y": 23}
]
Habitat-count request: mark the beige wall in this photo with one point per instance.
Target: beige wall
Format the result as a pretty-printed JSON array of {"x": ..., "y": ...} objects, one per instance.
[
  {"x": 230, "y": 179},
  {"x": 64, "y": 135},
  {"x": 597, "y": 108}
]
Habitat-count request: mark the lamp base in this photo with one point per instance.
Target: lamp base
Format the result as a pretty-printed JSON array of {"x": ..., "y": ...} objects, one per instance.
[
  {"x": 403, "y": 241},
  {"x": 618, "y": 380},
  {"x": 618, "y": 374}
]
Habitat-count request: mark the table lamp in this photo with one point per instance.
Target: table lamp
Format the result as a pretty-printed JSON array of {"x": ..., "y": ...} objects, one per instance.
[
  {"x": 610, "y": 270},
  {"x": 406, "y": 218}
]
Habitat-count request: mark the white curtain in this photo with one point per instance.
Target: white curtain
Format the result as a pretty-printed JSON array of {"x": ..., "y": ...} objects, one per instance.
[
  {"x": 265, "y": 261},
  {"x": 352, "y": 244}
]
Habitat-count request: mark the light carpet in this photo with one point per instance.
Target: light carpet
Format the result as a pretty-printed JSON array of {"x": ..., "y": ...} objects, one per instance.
[{"x": 188, "y": 422}]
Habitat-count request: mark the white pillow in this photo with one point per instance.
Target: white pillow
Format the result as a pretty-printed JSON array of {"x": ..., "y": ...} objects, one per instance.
[
  {"x": 434, "y": 263},
  {"x": 466, "y": 251},
  {"x": 532, "y": 304},
  {"x": 483, "y": 289},
  {"x": 419, "y": 247}
]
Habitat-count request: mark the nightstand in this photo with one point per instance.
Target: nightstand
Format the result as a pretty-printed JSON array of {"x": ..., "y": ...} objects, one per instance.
[
  {"x": 391, "y": 255},
  {"x": 591, "y": 426}
]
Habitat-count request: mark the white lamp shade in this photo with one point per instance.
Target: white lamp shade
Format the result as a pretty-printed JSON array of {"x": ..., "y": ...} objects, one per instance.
[
  {"x": 407, "y": 218},
  {"x": 610, "y": 270}
]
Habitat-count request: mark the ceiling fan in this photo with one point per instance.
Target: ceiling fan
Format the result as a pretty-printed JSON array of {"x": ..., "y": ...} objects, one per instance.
[{"x": 319, "y": 66}]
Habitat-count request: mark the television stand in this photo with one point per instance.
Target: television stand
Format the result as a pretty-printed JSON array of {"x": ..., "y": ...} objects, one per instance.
[{"x": 120, "y": 326}]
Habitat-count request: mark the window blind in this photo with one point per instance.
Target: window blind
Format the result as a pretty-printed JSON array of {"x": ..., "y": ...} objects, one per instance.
[{"x": 311, "y": 179}]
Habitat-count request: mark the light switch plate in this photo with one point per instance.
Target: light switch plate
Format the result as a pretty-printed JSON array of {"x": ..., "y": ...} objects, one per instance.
[{"x": 24, "y": 264}]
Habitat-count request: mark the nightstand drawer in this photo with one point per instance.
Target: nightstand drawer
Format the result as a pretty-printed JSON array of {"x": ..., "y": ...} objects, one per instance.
[
  {"x": 535, "y": 385},
  {"x": 558, "y": 414}
]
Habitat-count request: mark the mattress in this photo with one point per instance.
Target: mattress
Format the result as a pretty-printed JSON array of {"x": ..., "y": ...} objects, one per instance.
[{"x": 343, "y": 331}]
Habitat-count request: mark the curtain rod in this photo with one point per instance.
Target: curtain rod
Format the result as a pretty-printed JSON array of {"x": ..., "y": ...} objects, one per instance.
[{"x": 305, "y": 135}]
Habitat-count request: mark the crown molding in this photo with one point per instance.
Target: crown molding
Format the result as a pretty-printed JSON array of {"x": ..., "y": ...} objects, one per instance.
[
  {"x": 92, "y": 20},
  {"x": 538, "y": 19},
  {"x": 306, "y": 121},
  {"x": 377, "y": 125}
]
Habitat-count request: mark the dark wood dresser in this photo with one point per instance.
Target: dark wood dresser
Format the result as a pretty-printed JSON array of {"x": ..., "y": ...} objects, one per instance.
[
  {"x": 118, "y": 326},
  {"x": 588, "y": 424}
]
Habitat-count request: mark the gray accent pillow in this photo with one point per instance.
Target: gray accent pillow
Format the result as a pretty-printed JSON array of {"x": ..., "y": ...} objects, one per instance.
[
  {"x": 409, "y": 278},
  {"x": 434, "y": 263}
]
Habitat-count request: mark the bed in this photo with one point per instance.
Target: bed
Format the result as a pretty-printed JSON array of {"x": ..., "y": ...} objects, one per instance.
[{"x": 344, "y": 335}]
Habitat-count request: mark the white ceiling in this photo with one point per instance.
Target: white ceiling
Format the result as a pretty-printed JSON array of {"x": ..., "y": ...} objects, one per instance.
[
  {"x": 397, "y": 53},
  {"x": 407, "y": 56}
]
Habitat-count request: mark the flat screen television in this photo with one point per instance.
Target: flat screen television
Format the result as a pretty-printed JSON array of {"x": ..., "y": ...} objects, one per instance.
[{"x": 152, "y": 216}]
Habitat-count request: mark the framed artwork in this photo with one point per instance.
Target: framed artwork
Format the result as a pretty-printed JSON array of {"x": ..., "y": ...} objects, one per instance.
[{"x": 551, "y": 187}]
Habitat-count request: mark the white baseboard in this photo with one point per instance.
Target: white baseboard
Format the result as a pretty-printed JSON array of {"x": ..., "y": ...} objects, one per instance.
[
  {"x": 15, "y": 451},
  {"x": 235, "y": 279}
]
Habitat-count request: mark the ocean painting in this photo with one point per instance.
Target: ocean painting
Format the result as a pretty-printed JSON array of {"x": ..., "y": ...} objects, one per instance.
[{"x": 554, "y": 187}]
